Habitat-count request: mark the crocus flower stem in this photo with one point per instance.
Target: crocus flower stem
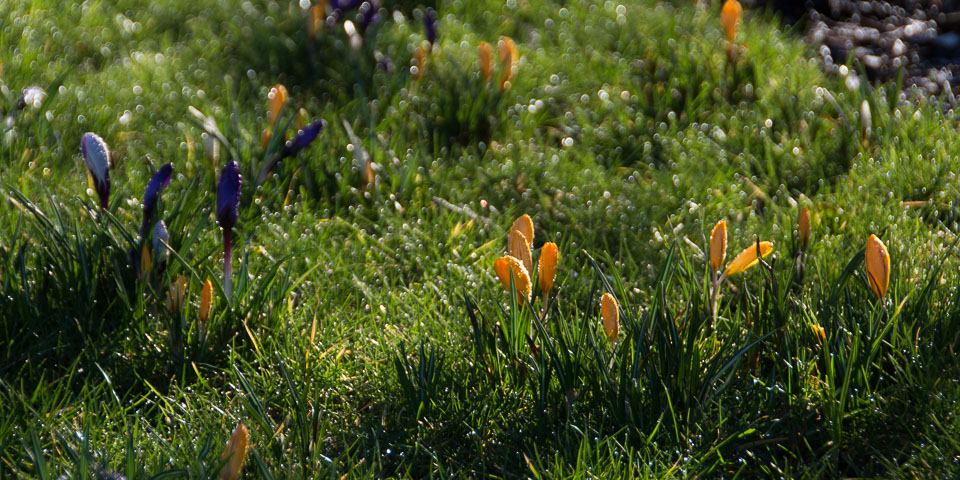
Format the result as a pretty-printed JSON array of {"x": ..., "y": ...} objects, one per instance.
[
  {"x": 227, "y": 263},
  {"x": 715, "y": 281},
  {"x": 544, "y": 304}
]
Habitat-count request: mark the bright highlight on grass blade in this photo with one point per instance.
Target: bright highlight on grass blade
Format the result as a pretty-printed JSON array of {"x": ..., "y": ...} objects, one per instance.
[
  {"x": 718, "y": 245},
  {"x": 820, "y": 333},
  {"x": 877, "y": 262},
  {"x": 611, "y": 317},
  {"x": 508, "y": 266},
  {"x": 235, "y": 453},
  {"x": 748, "y": 258}
]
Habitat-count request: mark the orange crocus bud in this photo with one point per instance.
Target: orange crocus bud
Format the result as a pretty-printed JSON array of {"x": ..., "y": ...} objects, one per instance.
[
  {"x": 206, "y": 300},
  {"x": 611, "y": 316},
  {"x": 877, "y": 261},
  {"x": 509, "y": 57},
  {"x": 235, "y": 453},
  {"x": 547, "y": 269},
  {"x": 748, "y": 258},
  {"x": 276, "y": 98},
  {"x": 718, "y": 245},
  {"x": 485, "y": 60},
  {"x": 730, "y": 16},
  {"x": 508, "y": 266},
  {"x": 803, "y": 227}
]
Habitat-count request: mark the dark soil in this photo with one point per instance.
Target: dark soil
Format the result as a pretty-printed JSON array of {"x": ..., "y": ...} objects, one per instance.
[{"x": 919, "y": 39}]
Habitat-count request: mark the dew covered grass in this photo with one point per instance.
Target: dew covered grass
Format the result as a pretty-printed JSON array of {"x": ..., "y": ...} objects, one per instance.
[{"x": 366, "y": 333}]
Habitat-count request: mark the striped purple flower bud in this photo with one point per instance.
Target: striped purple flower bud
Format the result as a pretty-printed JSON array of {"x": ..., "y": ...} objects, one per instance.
[
  {"x": 96, "y": 154},
  {"x": 157, "y": 183}
]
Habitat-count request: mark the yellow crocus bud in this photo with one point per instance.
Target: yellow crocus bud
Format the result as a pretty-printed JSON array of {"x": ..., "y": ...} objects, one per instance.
[
  {"x": 520, "y": 249},
  {"x": 730, "y": 16},
  {"x": 177, "y": 293},
  {"x": 524, "y": 225},
  {"x": 547, "y": 269},
  {"x": 419, "y": 62},
  {"x": 485, "y": 60},
  {"x": 505, "y": 267},
  {"x": 206, "y": 300},
  {"x": 611, "y": 316},
  {"x": 315, "y": 21},
  {"x": 748, "y": 258},
  {"x": 718, "y": 245},
  {"x": 276, "y": 99},
  {"x": 509, "y": 58},
  {"x": 235, "y": 453},
  {"x": 878, "y": 265},
  {"x": 145, "y": 260}
]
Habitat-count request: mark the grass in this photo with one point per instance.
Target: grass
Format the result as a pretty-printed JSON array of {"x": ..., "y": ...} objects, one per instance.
[{"x": 367, "y": 334}]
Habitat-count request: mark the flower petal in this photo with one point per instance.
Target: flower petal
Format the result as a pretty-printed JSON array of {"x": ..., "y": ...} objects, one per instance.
[
  {"x": 718, "y": 245},
  {"x": 155, "y": 186},
  {"x": 520, "y": 249},
  {"x": 430, "y": 24},
  {"x": 303, "y": 138},
  {"x": 505, "y": 267},
  {"x": 96, "y": 155},
  {"x": 160, "y": 236},
  {"x": 747, "y": 258}
]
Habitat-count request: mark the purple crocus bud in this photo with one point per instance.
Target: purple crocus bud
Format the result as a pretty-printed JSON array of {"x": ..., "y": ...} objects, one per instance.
[
  {"x": 345, "y": 5},
  {"x": 157, "y": 183},
  {"x": 430, "y": 24},
  {"x": 228, "y": 201},
  {"x": 160, "y": 236},
  {"x": 368, "y": 15},
  {"x": 228, "y": 195},
  {"x": 301, "y": 140},
  {"x": 96, "y": 155}
]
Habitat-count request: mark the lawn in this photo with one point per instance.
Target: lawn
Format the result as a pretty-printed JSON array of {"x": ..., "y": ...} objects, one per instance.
[{"x": 363, "y": 329}]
